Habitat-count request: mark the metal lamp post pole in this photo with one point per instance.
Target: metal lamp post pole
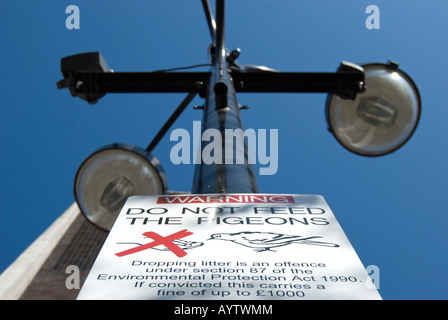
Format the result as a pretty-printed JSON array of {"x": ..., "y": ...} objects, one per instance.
[{"x": 221, "y": 112}]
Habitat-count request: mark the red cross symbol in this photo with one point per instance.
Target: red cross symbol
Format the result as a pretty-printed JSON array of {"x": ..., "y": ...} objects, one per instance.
[{"x": 159, "y": 240}]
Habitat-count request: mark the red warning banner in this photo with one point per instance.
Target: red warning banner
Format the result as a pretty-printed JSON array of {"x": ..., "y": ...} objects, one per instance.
[{"x": 233, "y": 198}]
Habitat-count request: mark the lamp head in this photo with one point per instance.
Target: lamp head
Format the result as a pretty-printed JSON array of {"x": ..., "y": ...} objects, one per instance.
[
  {"x": 382, "y": 118},
  {"x": 80, "y": 63},
  {"x": 110, "y": 175}
]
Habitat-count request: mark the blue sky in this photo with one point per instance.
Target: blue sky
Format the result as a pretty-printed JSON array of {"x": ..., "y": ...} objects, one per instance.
[{"x": 393, "y": 208}]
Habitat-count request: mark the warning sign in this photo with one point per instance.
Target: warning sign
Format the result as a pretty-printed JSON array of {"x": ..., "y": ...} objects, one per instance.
[{"x": 232, "y": 246}]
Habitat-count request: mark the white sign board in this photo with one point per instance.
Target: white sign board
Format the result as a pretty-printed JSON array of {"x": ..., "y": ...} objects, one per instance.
[{"x": 232, "y": 246}]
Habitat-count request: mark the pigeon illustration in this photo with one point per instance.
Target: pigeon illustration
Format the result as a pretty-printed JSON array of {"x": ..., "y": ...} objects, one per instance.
[{"x": 265, "y": 241}]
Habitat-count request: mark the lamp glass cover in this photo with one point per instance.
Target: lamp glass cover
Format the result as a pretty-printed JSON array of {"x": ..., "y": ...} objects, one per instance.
[
  {"x": 109, "y": 176},
  {"x": 379, "y": 120}
]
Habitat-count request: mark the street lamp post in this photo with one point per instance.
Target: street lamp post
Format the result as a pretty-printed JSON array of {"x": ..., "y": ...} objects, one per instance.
[{"x": 371, "y": 110}]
